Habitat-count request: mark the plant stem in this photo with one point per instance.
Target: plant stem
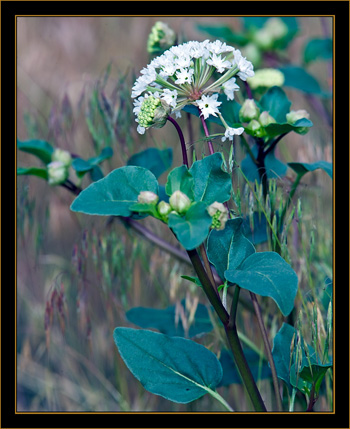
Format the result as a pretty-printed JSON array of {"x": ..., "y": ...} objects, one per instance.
[
  {"x": 182, "y": 140},
  {"x": 268, "y": 350},
  {"x": 206, "y": 132}
]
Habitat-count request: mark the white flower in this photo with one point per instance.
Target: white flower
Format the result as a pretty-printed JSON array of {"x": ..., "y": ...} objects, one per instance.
[
  {"x": 230, "y": 132},
  {"x": 230, "y": 87},
  {"x": 245, "y": 66},
  {"x": 184, "y": 76},
  {"x": 147, "y": 197},
  {"x": 208, "y": 105},
  {"x": 170, "y": 97},
  {"x": 219, "y": 63}
]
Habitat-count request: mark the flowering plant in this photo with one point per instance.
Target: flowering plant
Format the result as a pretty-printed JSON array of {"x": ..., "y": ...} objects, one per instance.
[{"x": 200, "y": 204}]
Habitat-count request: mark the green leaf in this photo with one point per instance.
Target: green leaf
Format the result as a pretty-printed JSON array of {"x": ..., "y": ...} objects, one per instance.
[
  {"x": 281, "y": 352},
  {"x": 298, "y": 127},
  {"x": 258, "y": 234},
  {"x": 39, "y": 148},
  {"x": 302, "y": 168},
  {"x": 156, "y": 160},
  {"x": 91, "y": 165},
  {"x": 143, "y": 208},
  {"x": 106, "y": 153},
  {"x": 211, "y": 182},
  {"x": 116, "y": 193},
  {"x": 33, "y": 171},
  {"x": 298, "y": 78},
  {"x": 318, "y": 49},
  {"x": 180, "y": 179},
  {"x": 314, "y": 374},
  {"x": 176, "y": 368},
  {"x": 168, "y": 322},
  {"x": 267, "y": 274},
  {"x": 193, "y": 228},
  {"x": 276, "y": 103},
  {"x": 81, "y": 166},
  {"x": 228, "y": 248},
  {"x": 273, "y": 166}
]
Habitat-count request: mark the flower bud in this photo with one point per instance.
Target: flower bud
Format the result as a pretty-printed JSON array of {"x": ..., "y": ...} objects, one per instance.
[
  {"x": 266, "y": 78},
  {"x": 57, "y": 173},
  {"x": 276, "y": 27},
  {"x": 295, "y": 115},
  {"x": 180, "y": 202},
  {"x": 219, "y": 215},
  {"x": 248, "y": 111},
  {"x": 266, "y": 119},
  {"x": 62, "y": 156},
  {"x": 160, "y": 38},
  {"x": 254, "y": 128},
  {"x": 164, "y": 209},
  {"x": 147, "y": 197},
  {"x": 153, "y": 112}
]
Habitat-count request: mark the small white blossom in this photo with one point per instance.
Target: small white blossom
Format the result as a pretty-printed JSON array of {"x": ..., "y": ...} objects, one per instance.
[
  {"x": 219, "y": 63},
  {"x": 208, "y": 105},
  {"x": 184, "y": 76},
  {"x": 245, "y": 66},
  {"x": 230, "y": 132},
  {"x": 230, "y": 87},
  {"x": 170, "y": 97}
]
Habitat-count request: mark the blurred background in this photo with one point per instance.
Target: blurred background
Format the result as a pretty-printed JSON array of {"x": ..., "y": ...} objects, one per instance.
[{"x": 76, "y": 275}]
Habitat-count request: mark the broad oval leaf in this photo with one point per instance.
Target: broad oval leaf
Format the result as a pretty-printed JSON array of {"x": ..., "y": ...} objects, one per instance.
[
  {"x": 168, "y": 322},
  {"x": 267, "y": 274},
  {"x": 281, "y": 351},
  {"x": 39, "y": 148},
  {"x": 228, "y": 248},
  {"x": 180, "y": 179},
  {"x": 211, "y": 182},
  {"x": 116, "y": 193},
  {"x": 318, "y": 49},
  {"x": 176, "y": 368},
  {"x": 302, "y": 168},
  {"x": 298, "y": 78},
  {"x": 193, "y": 228},
  {"x": 155, "y": 160},
  {"x": 33, "y": 171}
]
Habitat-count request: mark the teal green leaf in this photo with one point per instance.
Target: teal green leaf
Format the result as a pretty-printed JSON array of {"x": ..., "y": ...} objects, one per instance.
[
  {"x": 211, "y": 182},
  {"x": 267, "y": 274},
  {"x": 168, "y": 322},
  {"x": 276, "y": 103},
  {"x": 116, "y": 193},
  {"x": 155, "y": 160},
  {"x": 175, "y": 368},
  {"x": 302, "y": 168},
  {"x": 81, "y": 166},
  {"x": 32, "y": 171},
  {"x": 281, "y": 352},
  {"x": 298, "y": 78},
  {"x": 314, "y": 374},
  {"x": 192, "y": 228},
  {"x": 298, "y": 127},
  {"x": 318, "y": 49},
  {"x": 180, "y": 179},
  {"x": 106, "y": 153},
  {"x": 39, "y": 148},
  {"x": 148, "y": 209},
  {"x": 228, "y": 248}
]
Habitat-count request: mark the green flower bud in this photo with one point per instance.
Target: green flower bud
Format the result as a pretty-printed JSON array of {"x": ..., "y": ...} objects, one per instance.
[
  {"x": 160, "y": 38},
  {"x": 295, "y": 115},
  {"x": 154, "y": 112},
  {"x": 254, "y": 128},
  {"x": 57, "y": 173},
  {"x": 179, "y": 202},
  {"x": 266, "y": 78},
  {"x": 219, "y": 215},
  {"x": 147, "y": 197},
  {"x": 164, "y": 209},
  {"x": 266, "y": 119},
  {"x": 248, "y": 111},
  {"x": 62, "y": 156}
]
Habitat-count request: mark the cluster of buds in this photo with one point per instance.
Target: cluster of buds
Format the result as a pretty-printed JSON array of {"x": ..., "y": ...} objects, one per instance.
[
  {"x": 219, "y": 214},
  {"x": 160, "y": 38},
  {"x": 58, "y": 169},
  {"x": 250, "y": 113},
  {"x": 266, "y": 78},
  {"x": 153, "y": 112},
  {"x": 273, "y": 30}
]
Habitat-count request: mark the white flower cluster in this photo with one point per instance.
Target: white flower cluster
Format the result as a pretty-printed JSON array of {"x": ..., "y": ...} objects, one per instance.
[{"x": 192, "y": 73}]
